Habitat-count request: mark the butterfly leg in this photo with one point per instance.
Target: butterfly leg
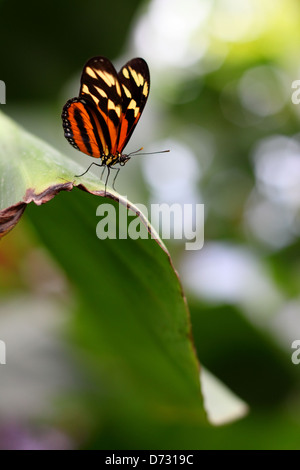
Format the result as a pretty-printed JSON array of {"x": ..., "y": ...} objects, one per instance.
[
  {"x": 113, "y": 185},
  {"x": 103, "y": 172},
  {"x": 108, "y": 173},
  {"x": 97, "y": 164}
]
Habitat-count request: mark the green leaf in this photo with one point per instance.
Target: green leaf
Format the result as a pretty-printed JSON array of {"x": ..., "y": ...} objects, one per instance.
[
  {"x": 31, "y": 170},
  {"x": 131, "y": 320}
]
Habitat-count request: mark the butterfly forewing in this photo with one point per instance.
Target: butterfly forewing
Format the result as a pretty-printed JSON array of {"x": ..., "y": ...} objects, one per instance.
[
  {"x": 134, "y": 79},
  {"x": 99, "y": 82}
]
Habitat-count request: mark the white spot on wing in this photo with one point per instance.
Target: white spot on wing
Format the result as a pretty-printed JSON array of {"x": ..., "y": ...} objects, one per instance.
[
  {"x": 91, "y": 72},
  {"x": 125, "y": 73},
  {"x": 127, "y": 92}
]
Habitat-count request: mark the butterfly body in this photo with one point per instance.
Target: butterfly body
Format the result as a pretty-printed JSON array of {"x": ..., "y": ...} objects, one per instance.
[{"x": 101, "y": 120}]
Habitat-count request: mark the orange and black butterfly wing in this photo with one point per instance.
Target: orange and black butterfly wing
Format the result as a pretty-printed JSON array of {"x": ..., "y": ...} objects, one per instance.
[
  {"x": 92, "y": 121},
  {"x": 134, "y": 80},
  {"x": 101, "y": 120},
  {"x": 82, "y": 127},
  {"x": 99, "y": 82}
]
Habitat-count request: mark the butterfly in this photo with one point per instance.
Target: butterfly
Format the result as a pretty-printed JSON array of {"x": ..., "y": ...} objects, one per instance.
[{"x": 102, "y": 119}]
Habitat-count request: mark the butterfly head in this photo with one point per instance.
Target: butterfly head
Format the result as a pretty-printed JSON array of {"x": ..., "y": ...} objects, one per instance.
[{"x": 123, "y": 159}]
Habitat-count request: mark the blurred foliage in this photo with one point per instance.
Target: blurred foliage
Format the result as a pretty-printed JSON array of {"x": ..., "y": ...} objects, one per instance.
[
  {"x": 44, "y": 50},
  {"x": 248, "y": 360}
]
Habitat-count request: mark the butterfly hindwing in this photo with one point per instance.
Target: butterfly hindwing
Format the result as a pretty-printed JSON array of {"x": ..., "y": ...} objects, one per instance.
[{"x": 83, "y": 127}]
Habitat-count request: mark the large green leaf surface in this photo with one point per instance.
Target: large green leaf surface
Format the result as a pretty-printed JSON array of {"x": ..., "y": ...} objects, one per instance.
[{"x": 131, "y": 319}]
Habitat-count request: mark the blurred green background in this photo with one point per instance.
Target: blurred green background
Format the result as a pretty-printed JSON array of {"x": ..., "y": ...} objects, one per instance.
[{"x": 220, "y": 99}]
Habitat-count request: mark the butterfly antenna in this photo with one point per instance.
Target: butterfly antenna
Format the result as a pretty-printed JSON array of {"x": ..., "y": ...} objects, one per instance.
[{"x": 137, "y": 152}]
